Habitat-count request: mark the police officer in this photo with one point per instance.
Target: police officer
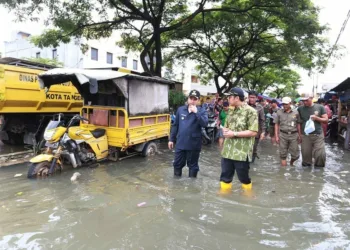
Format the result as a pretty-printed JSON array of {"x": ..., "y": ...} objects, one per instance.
[
  {"x": 187, "y": 133},
  {"x": 288, "y": 132}
]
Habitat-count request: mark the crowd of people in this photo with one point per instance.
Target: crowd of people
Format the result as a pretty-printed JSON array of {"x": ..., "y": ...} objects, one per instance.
[{"x": 244, "y": 121}]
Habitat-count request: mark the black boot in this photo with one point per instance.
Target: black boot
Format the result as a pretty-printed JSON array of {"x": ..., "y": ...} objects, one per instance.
[
  {"x": 192, "y": 174},
  {"x": 177, "y": 172}
]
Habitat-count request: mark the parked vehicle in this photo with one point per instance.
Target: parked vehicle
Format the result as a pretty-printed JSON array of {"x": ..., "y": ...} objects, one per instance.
[
  {"x": 68, "y": 144},
  {"x": 209, "y": 133},
  {"x": 25, "y": 109},
  {"x": 115, "y": 120}
]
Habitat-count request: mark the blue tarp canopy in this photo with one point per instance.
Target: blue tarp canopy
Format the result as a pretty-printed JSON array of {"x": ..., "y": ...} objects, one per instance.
[{"x": 269, "y": 98}]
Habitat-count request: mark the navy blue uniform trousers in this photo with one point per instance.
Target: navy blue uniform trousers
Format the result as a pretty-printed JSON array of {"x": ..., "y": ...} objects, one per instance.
[{"x": 189, "y": 157}]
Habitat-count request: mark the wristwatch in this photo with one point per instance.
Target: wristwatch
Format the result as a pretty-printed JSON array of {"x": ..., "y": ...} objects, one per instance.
[{"x": 235, "y": 134}]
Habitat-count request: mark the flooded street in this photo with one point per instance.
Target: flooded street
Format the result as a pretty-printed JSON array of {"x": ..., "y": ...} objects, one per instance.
[{"x": 291, "y": 208}]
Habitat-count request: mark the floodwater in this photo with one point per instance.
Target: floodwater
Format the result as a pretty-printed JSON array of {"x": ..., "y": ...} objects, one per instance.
[{"x": 290, "y": 208}]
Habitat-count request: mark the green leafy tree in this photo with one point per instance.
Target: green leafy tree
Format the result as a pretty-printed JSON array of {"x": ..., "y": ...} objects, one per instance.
[
  {"x": 176, "y": 99},
  {"x": 269, "y": 77},
  {"x": 285, "y": 83},
  {"x": 233, "y": 46},
  {"x": 53, "y": 62},
  {"x": 147, "y": 25}
]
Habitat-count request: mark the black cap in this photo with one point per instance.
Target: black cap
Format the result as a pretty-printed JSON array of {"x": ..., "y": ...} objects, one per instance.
[
  {"x": 194, "y": 93},
  {"x": 236, "y": 91},
  {"x": 274, "y": 101}
]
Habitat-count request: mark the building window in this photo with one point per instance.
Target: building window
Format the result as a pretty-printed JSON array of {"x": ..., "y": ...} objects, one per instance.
[
  {"x": 54, "y": 53},
  {"x": 134, "y": 64},
  {"x": 94, "y": 54},
  {"x": 109, "y": 58},
  {"x": 124, "y": 61},
  {"x": 37, "y": 55}
]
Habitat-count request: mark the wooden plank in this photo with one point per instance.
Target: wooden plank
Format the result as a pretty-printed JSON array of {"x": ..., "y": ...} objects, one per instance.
[{"x": 15, "y": 158}]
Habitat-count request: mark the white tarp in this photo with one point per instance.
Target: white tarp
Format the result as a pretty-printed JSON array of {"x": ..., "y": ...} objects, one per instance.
[
  {"x": 147, "y": 97},
  {"x": 82, "y": 75}
]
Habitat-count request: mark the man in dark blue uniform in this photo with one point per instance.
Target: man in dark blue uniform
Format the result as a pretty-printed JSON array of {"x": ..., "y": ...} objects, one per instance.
[{"x": 187, "y": 134}]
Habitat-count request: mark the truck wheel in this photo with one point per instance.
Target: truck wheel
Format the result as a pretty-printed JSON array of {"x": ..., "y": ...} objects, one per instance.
[
  {"x": 41, "y": 169},
  {"x": 13, "y": 139},
  {"x": 114, "y": 154},
  {"x": 149, "y": 149},
  {"x": 6, "y": 142}
]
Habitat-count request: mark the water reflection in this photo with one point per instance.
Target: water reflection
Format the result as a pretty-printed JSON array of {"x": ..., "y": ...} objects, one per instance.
[{"x": 293, "y": 207}]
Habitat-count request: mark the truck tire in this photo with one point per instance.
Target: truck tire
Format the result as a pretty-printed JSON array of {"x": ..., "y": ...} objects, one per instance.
[
  {"x": 13, "y": 139},
  {"x": 6, "y": 142},
  {"x": 149, "y": 149}
]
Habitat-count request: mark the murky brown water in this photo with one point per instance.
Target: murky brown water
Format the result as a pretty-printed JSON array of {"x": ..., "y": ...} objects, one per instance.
[{"x": 295, "y": 208}]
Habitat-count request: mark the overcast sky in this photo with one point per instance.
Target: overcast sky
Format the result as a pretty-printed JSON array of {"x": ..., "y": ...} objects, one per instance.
[{"x": 333, "y": 13}]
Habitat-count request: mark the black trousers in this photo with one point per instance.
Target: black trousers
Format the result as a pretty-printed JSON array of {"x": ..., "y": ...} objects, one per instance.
[
  {"x": 228, "y": 168},
  {"x": 183, "y": 157}
]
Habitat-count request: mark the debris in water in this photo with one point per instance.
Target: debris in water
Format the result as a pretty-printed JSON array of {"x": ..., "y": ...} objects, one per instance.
[
  {"x": 75, "y": 176},
  {"x": 273, "y": 191},
  {"x": 19, "y": 193},
  {"x": 141, "y": 204},
  {"x": 18, "y": 175},
  {"x": 287, "y": 174},
  {"x": 182, "y": 211}
]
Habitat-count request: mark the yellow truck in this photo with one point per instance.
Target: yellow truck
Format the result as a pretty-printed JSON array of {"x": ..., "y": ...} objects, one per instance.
[
  {"x": 25, "y": 109},
  {"x": 123, "y": 115}
]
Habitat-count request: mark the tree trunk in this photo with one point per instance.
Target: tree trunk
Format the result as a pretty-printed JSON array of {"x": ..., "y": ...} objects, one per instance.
[
  {"x": 143, "y": 55},
  {"x": 151, "y": 61},
  {"x": 158, "y": 48},
  {"x": 143, "y": 62},
  {"x": 216, "y": 80}
]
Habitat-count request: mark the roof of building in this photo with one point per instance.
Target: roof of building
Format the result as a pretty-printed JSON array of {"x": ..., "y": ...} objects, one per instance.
[
  {"x": 25, "y": 63},
  {"x": 22, "y": 32},
  {"x": 204, "y": 89},
  {"x": 345, "y": 85},
  {"x": 138, "y": 75}
]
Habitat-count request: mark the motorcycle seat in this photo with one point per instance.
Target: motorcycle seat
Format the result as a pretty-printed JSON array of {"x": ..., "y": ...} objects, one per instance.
[{"x": 99, "y": 132}]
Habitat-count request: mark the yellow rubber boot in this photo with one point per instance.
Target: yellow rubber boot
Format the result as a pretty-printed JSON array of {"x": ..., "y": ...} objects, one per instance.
[
  {"x": 225, "y": 188},
  {"x": 247, "y": 186},
  {"x": 247, "y": 190}
]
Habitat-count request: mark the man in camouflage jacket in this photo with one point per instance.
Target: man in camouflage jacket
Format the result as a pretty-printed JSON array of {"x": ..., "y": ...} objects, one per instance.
[{"x": 241, "y": 127}]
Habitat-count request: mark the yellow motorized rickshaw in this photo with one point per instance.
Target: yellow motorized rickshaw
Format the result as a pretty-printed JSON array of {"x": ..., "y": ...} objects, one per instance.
[{"x": 123, "y": 115}]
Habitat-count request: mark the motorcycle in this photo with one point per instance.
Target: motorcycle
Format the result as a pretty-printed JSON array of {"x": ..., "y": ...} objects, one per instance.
[
  {"x": 209, "y": 133},
  {"x": 68, "y": 144}
]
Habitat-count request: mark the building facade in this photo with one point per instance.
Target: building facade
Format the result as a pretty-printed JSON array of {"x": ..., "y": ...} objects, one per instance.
[{"x": 100, "y": 54}]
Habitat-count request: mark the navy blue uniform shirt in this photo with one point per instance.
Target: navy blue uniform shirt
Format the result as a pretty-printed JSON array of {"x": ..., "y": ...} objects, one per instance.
[{"x": 187, "y": 129}]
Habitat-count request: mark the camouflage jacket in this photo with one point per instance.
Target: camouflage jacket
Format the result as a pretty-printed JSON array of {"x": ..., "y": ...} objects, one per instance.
[{"x": 240, "y": 119}]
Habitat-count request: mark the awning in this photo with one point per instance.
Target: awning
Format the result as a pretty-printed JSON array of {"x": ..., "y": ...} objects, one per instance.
[
  {"x": 345, "y": 85},
  {"x": 86, "y": 81}
]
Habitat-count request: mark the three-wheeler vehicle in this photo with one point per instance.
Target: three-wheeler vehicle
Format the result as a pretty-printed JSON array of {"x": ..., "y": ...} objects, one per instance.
[{"x": 123, "y": 115}]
